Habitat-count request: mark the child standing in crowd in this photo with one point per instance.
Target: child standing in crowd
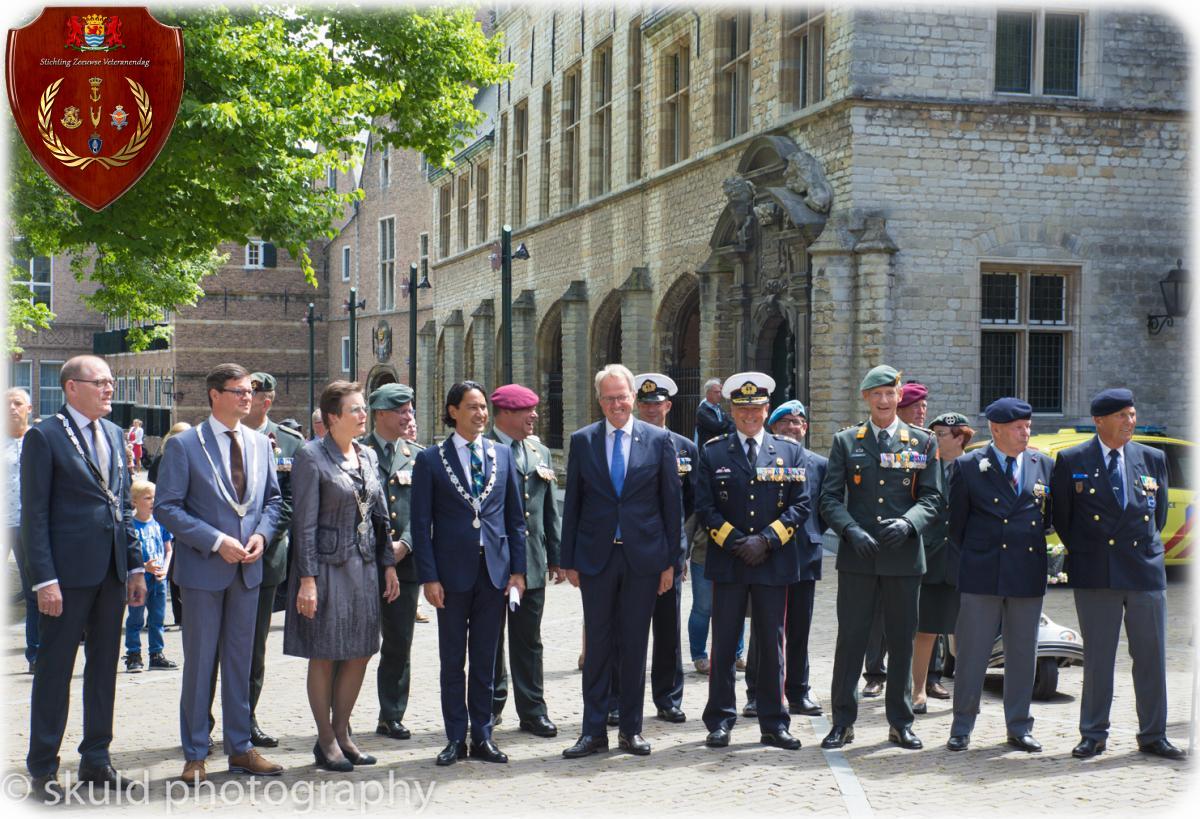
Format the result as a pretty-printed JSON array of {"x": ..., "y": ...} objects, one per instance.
[{"x": 156, "y": 553}]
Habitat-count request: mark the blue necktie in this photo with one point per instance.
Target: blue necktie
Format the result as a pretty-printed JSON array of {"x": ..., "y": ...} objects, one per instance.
[
  {"x": 1010, "y": 473},
  {"x": 476, "y": 471},
  {"x": 616, "y": 471},
  {"x": 1114, "y": 476}
]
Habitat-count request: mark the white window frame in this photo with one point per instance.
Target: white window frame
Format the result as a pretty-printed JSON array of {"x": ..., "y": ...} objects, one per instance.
[
  {"x": 346, "y": 259},
  {"x": 423, "y": 248},
  {"x": 36, "y": 287},
  {"x": 345, "y": 354},
  {"x": 387, "y": 263},
  {"x": 1037, "y": 76},
  {"x": 53, "y": 388},
  {"x": 15, "y": 381},
  {"x": 385, "y": 168},
  {"x": 253, "y": 259}
]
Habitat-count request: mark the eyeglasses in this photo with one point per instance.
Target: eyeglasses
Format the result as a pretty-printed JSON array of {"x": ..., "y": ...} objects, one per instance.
[
  {"x": 239, "y": 392},
  {"x": 102, "y": 383},
  {"x": 615, "y": 399}
]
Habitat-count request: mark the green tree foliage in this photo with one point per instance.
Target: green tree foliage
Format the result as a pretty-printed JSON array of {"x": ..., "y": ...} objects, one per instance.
[{"x": 273, "y": 97}]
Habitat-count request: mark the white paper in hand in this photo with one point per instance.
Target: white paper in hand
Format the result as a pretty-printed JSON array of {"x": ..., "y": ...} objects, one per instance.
[{"x": 514, "y": 598}]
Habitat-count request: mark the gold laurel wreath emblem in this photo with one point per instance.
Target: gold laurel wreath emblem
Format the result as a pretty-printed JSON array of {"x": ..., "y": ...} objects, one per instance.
[{"x": 73, "y": 160}]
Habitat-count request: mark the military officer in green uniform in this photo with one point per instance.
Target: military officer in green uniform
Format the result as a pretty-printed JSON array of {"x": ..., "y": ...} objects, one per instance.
[
  {"x": 391, "y": 408},
  {"x": 285, "y": 443},
  {"x": 882, "y": 489},
  {"x": 515, "y": 415}
]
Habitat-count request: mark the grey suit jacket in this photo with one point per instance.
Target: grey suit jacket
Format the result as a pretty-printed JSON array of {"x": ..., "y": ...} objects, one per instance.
[
  {"x": 325, "y": 510},
  {"x": 189, "y": 503}
]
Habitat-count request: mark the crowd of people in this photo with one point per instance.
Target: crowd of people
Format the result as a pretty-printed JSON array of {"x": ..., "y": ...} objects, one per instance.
[{"x": 352, "y": 527}]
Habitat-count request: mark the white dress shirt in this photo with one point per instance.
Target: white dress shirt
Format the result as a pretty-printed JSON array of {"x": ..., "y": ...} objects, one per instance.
[
  {"x": 758, "y": 441},
  {"x": 218, "y": 430},
  {"x": 1017, "y": 470},
  {"x": 626, "y": 442},
  {"x": 463, "y": 448},
  {"x": 891, "y": 429}
]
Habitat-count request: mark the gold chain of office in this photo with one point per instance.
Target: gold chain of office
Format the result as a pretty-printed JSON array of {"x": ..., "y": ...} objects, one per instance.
[{"x": 73, "y": 160}]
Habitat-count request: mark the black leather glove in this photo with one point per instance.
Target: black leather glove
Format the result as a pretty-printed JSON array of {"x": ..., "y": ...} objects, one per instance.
[
  {"x": 863, "y": 544},
  {"x": 894, "y": 532},
  {"x": 753, "y": 550}
]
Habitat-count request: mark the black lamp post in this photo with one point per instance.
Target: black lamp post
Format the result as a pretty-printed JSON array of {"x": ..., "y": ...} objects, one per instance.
[
  {"x": 311, "y": 318},
  {"x": 1177, "y": 298},
  {"x": 413, "y": 287},
  {"x": 354, "y": 304},
  {"x": 506, "y": 259}
]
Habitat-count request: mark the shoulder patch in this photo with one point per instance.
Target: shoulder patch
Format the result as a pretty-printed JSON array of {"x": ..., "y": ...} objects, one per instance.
[
  {"x": 289, "y": 431},
  {"x": 720, "y": 437}
]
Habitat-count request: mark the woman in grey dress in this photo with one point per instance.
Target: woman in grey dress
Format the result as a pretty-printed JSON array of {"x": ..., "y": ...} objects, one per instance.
[{"x": 339, "y": 536}]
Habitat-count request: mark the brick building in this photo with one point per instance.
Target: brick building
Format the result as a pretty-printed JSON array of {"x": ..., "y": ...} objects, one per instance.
[{"x": 986, "y": 199}]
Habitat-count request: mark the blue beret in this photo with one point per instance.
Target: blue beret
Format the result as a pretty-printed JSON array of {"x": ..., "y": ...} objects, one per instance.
[
  {"x": 792, "y": 407},
  {"x": 1004, "y": 410},
  {"x": 1110, "y": 401}
]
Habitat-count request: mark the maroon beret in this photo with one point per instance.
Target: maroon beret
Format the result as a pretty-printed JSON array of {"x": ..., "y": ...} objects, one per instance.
[
  {"x": 514, "y": 397},
  {"x": 911, "y": 393}
]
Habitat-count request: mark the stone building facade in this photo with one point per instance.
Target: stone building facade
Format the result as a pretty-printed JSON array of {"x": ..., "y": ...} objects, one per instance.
[{"x": 985, "y": 199}]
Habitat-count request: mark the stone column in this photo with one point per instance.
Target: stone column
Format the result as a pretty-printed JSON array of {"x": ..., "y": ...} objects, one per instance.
[
  {"x": 483, "y": 339},
  {"x": 874, "y": 251},
  {"x": 427, "y": 402},
  {"x": 637, "y": 320},
  {"x": 453, "y": 336},
  {"x": 834, "y": 375},
  {"x": 524, "y": 313},
  {"x": 717, "y": 336},
  {"x": 577, "y": 379}
]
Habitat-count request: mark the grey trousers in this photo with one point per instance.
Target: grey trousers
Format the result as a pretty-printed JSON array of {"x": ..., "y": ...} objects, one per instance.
[
  {"x": 980, "y": 618},
  {"x": 1145, "y": 613},
  {"x": 225, "y": 618}
]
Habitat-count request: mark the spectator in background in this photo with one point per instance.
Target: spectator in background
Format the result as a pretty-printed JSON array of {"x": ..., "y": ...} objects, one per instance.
[
  {"x": 710, "y": 419},
  {"x": 155, "y": 543},
  {"x": 317, "y": 426},
  {"x": 152, "y": 477},
  {"x": 19, "y": 407},
  {"x": 137, "y": 436}
]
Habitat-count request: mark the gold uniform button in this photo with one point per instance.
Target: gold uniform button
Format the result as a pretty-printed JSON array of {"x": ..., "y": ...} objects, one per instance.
[
  {"x": 1145, "y": 517},
  {"x": 1003, "y": 545},
  {"x": 879, "y": 517},
  {"x": 751, "y": 497},
  {"x": 1092, "y": 491},
  {"x": 1031, "y": 548},
  {"x": 393, "y": 514},
  {"x": 995, "y": 500},
  {"x": 392, "y": 498},
  {"x": 751, "y": 513},
  {"x": 526, "y": 514},
  {"x": 527, "y": 496},
  {"x": 1006, "y": 520},
  {"x": 1095, "y": 517},
  {"x": 751, "y": 530},
  {"x": 881, "y": 500},
  {"x": 881, "y": 482},
  {"x": 1033, "y": 523},
  {"x": 1112, "y": 542},
  {"x": 1135, "y": 543}
]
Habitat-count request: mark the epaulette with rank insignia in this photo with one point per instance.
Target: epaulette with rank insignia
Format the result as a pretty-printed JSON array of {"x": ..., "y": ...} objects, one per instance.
[
  {"x": 288, "y": 431},
  {"x": 720, "y": 437},
  {"x": 532, "y": 437}
]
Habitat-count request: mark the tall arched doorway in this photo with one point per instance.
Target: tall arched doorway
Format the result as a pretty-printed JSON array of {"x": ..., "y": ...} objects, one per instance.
[
  {"x": 679, "y": 346},
  {"x": 550, "y": 377},
  {"x": 776, "y": 356}
]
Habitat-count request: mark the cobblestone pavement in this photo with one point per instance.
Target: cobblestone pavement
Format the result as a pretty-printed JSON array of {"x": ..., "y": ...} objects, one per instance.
[{"x": 681, "y": 775}]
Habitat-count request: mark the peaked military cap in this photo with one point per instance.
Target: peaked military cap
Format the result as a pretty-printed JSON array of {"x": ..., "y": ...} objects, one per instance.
[
  {"x": 654, "y": 388},
  {"x": 748, "y": 389}
]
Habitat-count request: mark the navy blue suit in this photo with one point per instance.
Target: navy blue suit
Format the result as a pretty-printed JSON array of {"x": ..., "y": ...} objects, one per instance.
[
  {"x": 619, "y": 579},
  {"x": 71, "y": 533},
  {"x": 734, "y": 501},
  {"x": 473, "y": 566},
  {"x": 1115, "y": 564}
]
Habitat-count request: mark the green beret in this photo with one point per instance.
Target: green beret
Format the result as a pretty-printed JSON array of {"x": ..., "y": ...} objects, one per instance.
[
  {"x": 950, "y": 419},
  {"x": 881, "y": 376},
  {"x": 390, "y": 396},
  {"x": 262, "y": 382}
]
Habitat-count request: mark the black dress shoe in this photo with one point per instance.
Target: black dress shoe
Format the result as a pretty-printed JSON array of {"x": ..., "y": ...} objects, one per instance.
[
  {"x": 614, "y": 718},
  {"x": 1025, "y": 743},
  {"x": 393, "y": 729},
  {"x": 487, "y": 751},
  {"x": 920, "y": 708},
  {"x": 104, "y": 775},
  {"x": 672, "y": 714},
  {"x": 1163, "y": 748},
  {"x": 805, "y": 706},
  {"x": 455, "y": 750},
  {"x": 211, "y": 745},
  {"x": 357, "y": 757},
  {"x": 838, "y": 736},
  {"x": 634, "y": 744},
  {"x": 751, "y": 710},
  {"x": 872, "y": 689},
  {"x": 1088, "y": 748},
  {"x": 781, "y": 739},
  {"x": 46, "y": 788},
  {"x": 717, "y": 739},
  {"x": 497, "y": 719},
  {"x": 261, "y": 739},
  {"x": 586, "y": 745},
  {"x": 343, "y": 765},
  {"x": 958, "y": 742},
  {"x": 905, "y": 738},
  {"x": 540, "y": 727}
]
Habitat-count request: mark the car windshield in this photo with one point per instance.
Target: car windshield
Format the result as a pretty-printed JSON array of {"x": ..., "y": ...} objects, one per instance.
[{"x": 1179, "y": 463}]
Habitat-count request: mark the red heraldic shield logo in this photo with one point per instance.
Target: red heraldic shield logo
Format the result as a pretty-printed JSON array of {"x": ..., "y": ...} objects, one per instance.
[{"x": 95, "y": 91}]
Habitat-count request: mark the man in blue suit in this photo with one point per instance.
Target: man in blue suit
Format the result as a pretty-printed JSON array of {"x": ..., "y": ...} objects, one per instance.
[
  {"x": 790, "y": 419},
  {"x": 999, "y": 514},
  {"x": 1110, "y": 502},
  {"x": 81, "y": 559},
  {"x": 219, "y": 496},
  {"x": 622, "y": 539},
  {"x": 468, "y": 531}
]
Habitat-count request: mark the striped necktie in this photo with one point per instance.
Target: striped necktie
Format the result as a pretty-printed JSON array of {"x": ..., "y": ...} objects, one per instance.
[{"x": 476, "y": 469}]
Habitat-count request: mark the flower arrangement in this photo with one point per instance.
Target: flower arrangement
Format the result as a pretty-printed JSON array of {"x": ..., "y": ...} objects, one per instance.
[{"x": 1057, "y": 555}]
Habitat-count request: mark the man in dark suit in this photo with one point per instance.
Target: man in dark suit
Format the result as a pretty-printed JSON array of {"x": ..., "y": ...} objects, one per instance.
[
  {"x": 790, "y": 419},
  {"x": 751, "y": 498},
  {"x": 999, "y": 514},
  {"x": 1110, "y": 502},
  {"x": 710, "y": 420},
  {"x": 516, "y": 413},
  {"x": 882, "y": 489},
  {"x": 391, "y": 408},
  {"x": 81, "y": 559},
  {"x": 468, "y": 529},
  {"x": 622, "y": 538}
]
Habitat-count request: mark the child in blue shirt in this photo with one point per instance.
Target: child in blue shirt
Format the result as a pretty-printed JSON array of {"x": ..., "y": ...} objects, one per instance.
[{"x": 156, "y": 553}]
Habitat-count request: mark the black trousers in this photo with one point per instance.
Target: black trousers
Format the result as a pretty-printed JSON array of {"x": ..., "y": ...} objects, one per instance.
[
  {"x": 525, "y": 656},
  {"x": 396, "y": 623},
  {"x": 796, "y": 628},
  {"x": 93, "y": 614},
  {"x": 258, "y": 658},
  {"x": 767, "y": 615},
  {"x": 858, "y": 597},
  {"x": 875, "y": 668}
]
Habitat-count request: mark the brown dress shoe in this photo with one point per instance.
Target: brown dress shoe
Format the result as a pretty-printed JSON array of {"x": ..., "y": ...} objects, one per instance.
[
  {"x": 253, "y": 763},
  {"x": 422, "y": 617},
  {"x": 193, "y": 771},
  {"x": 703, "y": 665},
  {"x": 937, "y": 691}
]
